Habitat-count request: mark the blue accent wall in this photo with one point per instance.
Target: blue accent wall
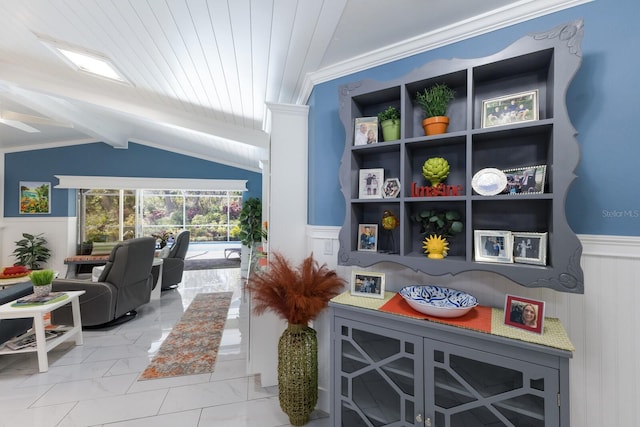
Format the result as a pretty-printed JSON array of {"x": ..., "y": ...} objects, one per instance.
[
  {"x": 99, "y": 159},
  {"x": 602, "y": 102}
]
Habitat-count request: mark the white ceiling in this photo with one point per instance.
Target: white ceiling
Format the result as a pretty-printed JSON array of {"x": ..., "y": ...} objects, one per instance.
[{"x": 202, "y": 71}]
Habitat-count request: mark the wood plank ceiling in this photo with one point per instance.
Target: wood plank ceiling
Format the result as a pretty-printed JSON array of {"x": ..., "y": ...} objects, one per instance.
[{"x": 201, "y": 72}]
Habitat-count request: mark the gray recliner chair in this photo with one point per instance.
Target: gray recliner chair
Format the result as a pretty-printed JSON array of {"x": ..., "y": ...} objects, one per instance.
[
  {"x": 173, "y": 264},
  {"x": 124, "y": 285}
]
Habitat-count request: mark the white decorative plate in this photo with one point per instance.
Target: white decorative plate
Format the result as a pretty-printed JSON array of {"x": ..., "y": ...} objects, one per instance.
[
  {"x": 489, "y": 181},
  {"x": 438, "y": 301}
]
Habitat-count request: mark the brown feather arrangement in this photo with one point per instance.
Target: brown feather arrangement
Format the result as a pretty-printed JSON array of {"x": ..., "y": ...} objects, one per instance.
[{"x": 296, "y": 294}]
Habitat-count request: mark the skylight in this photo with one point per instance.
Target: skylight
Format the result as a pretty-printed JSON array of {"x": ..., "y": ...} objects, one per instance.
[
  {"x": 85, "y": 61},
  {"x": 92, "y": 64}
]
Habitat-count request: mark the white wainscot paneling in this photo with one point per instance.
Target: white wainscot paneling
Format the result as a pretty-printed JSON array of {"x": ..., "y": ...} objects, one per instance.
[
  {"x": 602, "y": 323},
  {"x": 60, "y": 233}
]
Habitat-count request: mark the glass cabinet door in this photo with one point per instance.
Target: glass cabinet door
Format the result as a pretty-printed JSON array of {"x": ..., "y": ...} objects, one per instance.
[
  {"x": 376, "y": 372},
  {"x": 472, "y": 388}
]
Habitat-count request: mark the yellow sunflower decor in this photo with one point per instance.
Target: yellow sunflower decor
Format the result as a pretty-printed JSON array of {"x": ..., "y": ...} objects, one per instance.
[{"x": 435, "y": 246}]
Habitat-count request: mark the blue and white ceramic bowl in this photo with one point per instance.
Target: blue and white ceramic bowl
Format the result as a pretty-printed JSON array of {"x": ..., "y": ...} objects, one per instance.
[{"x": 438, "y": 301}]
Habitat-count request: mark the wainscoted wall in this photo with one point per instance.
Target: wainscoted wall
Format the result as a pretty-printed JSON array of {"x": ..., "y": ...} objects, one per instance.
[
  {"x": 602, "y": 323},
  {"x": 60, "y": 233}
]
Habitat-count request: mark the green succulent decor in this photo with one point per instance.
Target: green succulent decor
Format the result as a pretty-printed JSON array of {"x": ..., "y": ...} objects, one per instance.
[{"x": 439, "y": 222}]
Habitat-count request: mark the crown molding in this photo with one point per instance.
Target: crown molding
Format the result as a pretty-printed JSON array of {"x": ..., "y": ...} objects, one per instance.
[{"x": 514, "y": 13}]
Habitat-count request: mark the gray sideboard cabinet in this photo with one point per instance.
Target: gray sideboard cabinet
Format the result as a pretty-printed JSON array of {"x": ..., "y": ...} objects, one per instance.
[
  {"x": 543, "y": 62},
  {"x": 390, "y": 370}
]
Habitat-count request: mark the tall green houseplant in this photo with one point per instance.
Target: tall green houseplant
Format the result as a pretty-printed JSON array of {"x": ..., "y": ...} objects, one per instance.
[
  {"x": 31, "y": 251},
  {"x": 251, "y": 222}
]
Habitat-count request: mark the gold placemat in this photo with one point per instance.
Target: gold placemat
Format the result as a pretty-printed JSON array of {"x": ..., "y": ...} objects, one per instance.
[
  {"x": 363, "y": 302},
  {"x": 553, "y": 334}
]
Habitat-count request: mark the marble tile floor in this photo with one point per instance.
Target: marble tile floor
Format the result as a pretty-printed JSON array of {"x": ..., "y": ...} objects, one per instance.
[{"x": 96, "y": 384}]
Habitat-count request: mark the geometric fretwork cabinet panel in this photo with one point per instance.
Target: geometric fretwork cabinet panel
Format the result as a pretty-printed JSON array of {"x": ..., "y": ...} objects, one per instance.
[
  {"x": 544, "y": 63},
  {"x": 393, "y": 371}
]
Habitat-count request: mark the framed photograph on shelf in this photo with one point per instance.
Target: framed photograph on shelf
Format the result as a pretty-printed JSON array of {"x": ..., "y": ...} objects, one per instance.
[
  {"x": 366, "y": 131},
  {"x": 509, "y": 109},
  {"x": 493, "y": 246},
  {"x": 35, "y": 197},
  {"x": 367, "y": 284},
  {"x": 370, "y": 183},
  {"x": 524, "y": 313},
  {"x": 530, "y": 248},
  {"x": 368, "y": 237},
  {"x": 525, "y": 180},
  {"x": 391, "y": 188}
]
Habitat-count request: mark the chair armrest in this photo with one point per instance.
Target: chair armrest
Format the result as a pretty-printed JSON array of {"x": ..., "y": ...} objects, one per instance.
[{"x": 61, "y": 285}]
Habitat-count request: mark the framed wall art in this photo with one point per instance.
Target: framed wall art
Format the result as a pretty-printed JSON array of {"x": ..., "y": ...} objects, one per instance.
[
  {"x": 368, "y": 237},
  {"x": 35, "y": 197},
  {"x": 370, "y": 183},
  {"x": 367, "y": 284},
  {"x": 514, "y": 108},
  {"x": 366, "y": 131},
  {"x": 525, "y": 180},
  {"x": 530, "y": 248},
  {"x": 493, "y": 246},
  {"x": 524, "y": 313}
]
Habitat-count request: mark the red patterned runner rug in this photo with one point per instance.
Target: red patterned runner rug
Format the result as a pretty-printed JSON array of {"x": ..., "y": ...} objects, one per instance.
[{"x": 192, "y": 345}]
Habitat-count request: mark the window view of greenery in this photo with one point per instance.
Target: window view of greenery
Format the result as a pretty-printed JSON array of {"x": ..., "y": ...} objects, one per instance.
[{"x": 112, "y": 215}]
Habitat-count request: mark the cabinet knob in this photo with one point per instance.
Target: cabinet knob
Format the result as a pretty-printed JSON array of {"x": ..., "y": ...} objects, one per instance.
[
  {"x": 419, "y": 418},
  {"x": 427, "y": 422}
]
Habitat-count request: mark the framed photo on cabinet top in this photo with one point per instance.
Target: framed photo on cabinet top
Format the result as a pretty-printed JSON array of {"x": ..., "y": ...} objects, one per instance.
[
  {"x": 530, "y": 248},
  {"x": 493, "y": 246},
  {"x": 367, "y": 284},
  {"x": 525, "y": 180},
  {"x": 366, "y": 131},
  {"x": 370, "y": 183},
  {"x": 524, "y": 313},
  {"x": 509, "y": 109},
  {"x": 368, "y": 237}
]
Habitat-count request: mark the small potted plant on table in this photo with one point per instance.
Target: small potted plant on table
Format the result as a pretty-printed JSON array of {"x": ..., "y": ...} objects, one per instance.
[{"x": 41, "y": 280}]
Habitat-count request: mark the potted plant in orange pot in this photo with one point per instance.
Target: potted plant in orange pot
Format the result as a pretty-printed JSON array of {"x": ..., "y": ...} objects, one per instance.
[
  {"x": 434, "y": 102},
  {"x": 297, "y": 295}
]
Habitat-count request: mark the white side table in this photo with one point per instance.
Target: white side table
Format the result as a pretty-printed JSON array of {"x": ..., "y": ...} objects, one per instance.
[
  {"x": 155, "y": 293},
  {"x": 37, "y": 312}
]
